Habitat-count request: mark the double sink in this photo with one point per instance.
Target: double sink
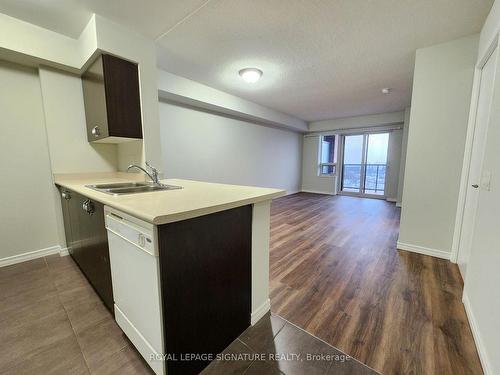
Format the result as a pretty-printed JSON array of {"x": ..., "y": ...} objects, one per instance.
[{"x": 123, "y": 188}]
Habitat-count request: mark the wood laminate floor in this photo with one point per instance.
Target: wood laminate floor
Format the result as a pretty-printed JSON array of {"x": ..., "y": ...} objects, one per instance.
[{"x": 335, "y": 272}]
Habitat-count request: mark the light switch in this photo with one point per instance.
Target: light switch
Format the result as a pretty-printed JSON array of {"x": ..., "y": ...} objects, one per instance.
[{"x": 486, "y": 180}]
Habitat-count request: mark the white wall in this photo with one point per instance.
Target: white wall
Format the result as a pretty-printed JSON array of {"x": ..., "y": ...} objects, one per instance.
[
  {"x": 311, "y": 181},
  {"x": 205, "y": 146},
  {"x": 27, "y": 216},
  {"x": 393, "y": 164},
  {"x": 357, "y": 122},
  {"x": 25, "y": 43},
  {"x": 490, "y": 30},
  {"x": 442, "y": 86},
  {"x": 70, "y": 151},
  {"x": 187, "y": 92},
  {"x": 404, "y": 146}
]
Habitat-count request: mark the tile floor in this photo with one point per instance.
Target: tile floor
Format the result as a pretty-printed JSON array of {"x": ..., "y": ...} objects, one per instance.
[
  {"x": 275, "y": 346},
  {"x": 52, "y": 322}
]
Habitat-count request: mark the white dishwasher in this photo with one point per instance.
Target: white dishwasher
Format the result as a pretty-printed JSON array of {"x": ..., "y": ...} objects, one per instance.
[{"x": 133, "y": 252}]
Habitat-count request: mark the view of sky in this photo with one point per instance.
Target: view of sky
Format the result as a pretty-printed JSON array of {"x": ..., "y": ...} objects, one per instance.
[{"x": 377, "y": 149}]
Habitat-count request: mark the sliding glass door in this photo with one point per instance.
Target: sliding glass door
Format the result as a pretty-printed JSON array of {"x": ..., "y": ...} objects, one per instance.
[
  {"x": 352, "y": 171},
  {"x": 364, "y": 164},
  {"x": 376, "y": 163}
]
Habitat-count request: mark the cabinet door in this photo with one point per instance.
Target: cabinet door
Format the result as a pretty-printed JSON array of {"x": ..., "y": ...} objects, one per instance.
[
  {"x": 123, "y": 103},
  {"x": 95, "y": 251},
  {"x": 66, "y": 196},
  {"x": 94, "y": 96},
  {"x": 74, "y": 210},
  {"x": 205, "y": 284},
  {"x": 88, "y": 243}
]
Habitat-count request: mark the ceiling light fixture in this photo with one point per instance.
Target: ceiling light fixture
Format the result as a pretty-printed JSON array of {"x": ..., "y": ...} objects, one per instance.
[
  {"x": 250, "y": 75},
  {"x": 386, "y": 90}
]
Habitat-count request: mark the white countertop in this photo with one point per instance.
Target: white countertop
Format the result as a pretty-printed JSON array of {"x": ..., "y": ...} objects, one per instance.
[{"x": 196, "y": 198}]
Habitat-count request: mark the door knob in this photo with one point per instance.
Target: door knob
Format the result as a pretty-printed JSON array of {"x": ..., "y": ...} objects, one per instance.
[{"x": 475, "y": 186}]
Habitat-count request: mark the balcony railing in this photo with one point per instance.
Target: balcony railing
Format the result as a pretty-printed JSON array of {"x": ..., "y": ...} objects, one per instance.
[{"x": 374, "y": 177}]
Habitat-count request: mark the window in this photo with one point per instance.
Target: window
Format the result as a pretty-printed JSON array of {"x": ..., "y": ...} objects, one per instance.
[{"x": 327, "y": 162}]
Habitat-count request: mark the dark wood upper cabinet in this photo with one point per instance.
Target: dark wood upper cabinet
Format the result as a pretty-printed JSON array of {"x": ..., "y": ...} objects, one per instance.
[{"x": 112, "y": 100}]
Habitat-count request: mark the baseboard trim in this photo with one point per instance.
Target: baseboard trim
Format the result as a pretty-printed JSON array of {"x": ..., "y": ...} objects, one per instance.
[
  {"x": 393, "y": 200},
  {"x": 481, "y": 351},
  {"x": 399, "y": 204},
  {"x": 260, "y": 311},
  {"x": 316, "y": 192},
  {"x": 63, "y": 251},
  {"x": 424, "y": 250},
  {"x": 32, "y": 255},
  {"x": 291, "y": 192}
]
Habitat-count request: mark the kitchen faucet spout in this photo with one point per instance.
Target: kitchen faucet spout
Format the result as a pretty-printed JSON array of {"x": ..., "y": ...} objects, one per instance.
[{"x": 153, "y": 175}]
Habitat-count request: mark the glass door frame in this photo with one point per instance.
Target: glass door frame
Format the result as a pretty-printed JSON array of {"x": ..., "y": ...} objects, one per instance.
[{"x": 364, "y": 155}]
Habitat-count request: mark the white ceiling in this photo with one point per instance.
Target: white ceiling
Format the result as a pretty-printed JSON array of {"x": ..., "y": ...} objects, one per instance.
[
  {"x": 321, "y": 58},
  {"x": 69, "y": 17}
]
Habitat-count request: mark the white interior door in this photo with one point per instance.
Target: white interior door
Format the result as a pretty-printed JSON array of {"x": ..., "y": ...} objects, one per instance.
[
  {"x": 481, "y": 286},
  {"x": 478, "y": 146}
]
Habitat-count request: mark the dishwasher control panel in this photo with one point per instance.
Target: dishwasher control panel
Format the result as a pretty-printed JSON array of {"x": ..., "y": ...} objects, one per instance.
[{"x": 129, "y": 231}]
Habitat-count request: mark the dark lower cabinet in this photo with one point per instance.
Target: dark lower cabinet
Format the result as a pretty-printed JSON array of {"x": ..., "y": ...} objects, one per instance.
[
  {"x": 205, "y": 266},
  {"x": 87, "y": 241}
]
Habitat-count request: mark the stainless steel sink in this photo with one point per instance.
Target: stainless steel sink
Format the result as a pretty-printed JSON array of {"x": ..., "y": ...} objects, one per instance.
[
  {"x": 123, "y": 188},
  {"x": 119, "y": 185}
]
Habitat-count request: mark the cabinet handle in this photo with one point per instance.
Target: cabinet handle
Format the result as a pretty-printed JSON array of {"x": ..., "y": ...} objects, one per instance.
[
  {"x": 95, "y": 131},
  {"x": 88, "y": 206},
  {"x": 66, "y": 195},
  {"x": 475, "y": 186}
]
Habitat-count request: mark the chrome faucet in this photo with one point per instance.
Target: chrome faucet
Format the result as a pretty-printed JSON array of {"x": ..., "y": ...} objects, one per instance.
[{"x": 153, "y": 175}]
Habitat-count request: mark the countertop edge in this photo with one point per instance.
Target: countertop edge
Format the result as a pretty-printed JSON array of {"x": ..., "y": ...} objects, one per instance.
[
  {"x": 160, "y": 220},
  {"x": 174, "y": 217}
]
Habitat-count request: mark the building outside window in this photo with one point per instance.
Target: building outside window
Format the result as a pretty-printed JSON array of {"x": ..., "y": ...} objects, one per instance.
[{"x": 327, "y": 162}]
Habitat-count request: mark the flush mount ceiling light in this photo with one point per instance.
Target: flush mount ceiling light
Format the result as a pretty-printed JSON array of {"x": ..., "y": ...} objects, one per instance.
[
  {"x": 250, "y": 75},
  {"x": 386, "y": 90}
]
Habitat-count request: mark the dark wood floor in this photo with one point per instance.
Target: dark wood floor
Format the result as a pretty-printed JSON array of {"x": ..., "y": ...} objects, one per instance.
[{"x": 336, "y": 273}]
